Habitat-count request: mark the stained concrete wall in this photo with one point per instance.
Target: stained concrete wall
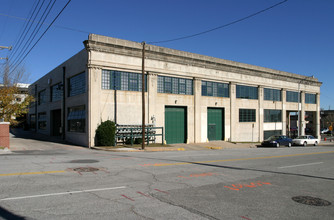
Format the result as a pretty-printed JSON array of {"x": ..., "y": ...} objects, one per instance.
[
  {"x": 73, "y": 66},
  {"x": 115, "y": 54}
]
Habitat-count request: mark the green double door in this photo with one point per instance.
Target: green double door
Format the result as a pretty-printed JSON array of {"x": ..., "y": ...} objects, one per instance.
[
  {"x": 215, "y": 124},
  {"x": 175, "y": 124}
]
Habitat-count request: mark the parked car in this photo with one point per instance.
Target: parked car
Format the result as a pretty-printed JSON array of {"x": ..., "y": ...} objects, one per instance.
[
  {"x": 305, "y": 140},
  {"x": 277, "y": 141},
  {"x": 324, "y": 130}
]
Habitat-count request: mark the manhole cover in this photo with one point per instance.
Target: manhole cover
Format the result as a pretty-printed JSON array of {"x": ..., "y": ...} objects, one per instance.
[
  {"x": 86, "y": 169},
  {"x": 84, "y": 161},
  {"x": 308, "y": 200}
]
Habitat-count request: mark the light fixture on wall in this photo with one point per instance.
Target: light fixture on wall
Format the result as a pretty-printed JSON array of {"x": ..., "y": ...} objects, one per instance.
[
  {"x": 175, "y": 101},
  {"x": 215, "y": 103}
]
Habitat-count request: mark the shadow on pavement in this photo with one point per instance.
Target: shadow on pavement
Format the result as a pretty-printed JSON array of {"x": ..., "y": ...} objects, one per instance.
[
  {"x": 20, "y": 133},
  {"x": 5, "y": 214}
]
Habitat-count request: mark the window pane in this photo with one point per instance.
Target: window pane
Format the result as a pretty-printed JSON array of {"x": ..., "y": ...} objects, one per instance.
[
  {"x": 174, "y": 85},
  {"x": 271, "y": 115},
  {"x": 215, "y": 89},
  {"x": 106, "y": 77},
  {"x": 56, "y": 92},
  {"x": 76, "y": 119},
  {"x": 247, "y": 92},
  {"x": 272, "y": 94},
  {"x": 247, "y": 115},
  {"x": 310, "y": 98},
  {"x": 42, "y": 97},
  {"x": 292, "y": 96},
  {"x": 77, "y": 84}
]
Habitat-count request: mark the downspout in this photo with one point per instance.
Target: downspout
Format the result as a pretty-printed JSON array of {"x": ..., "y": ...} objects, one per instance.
[
  {"x": 36, "y": 103},
  {"x": 64, "y": 103},
  {"x": 115, "y": 98}
]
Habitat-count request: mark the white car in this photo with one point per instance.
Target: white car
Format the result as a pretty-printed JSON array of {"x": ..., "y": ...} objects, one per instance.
[
  {"x": 323, "y": 131},
  {"x": 305, "y": 140}
]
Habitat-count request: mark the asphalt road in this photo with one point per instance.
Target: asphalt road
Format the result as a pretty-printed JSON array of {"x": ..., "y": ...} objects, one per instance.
[{"x": 67, "y": 182}]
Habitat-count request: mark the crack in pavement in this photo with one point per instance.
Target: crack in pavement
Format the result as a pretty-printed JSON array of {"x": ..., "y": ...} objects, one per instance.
[{"x": 194, "y": 211}]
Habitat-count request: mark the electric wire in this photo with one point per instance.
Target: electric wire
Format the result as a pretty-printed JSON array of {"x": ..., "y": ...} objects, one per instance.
[
  {"x": 41, "y": 36},
  {"x": 219, "y": 27},
  {"x": 34, "y": 7},
  {"x": 25, "y": 31},
  {"x": 4, "y": 26},
  {"x": 35, "y": 31},
  {"x": 56, "y": 26}
]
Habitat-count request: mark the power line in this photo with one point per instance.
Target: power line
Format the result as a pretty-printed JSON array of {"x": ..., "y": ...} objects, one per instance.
[
  {"x": 35, "y": 31},
  {"x": 41, "y": 35},
  {"x": 57, "y": 26},
  {"x": 24, "y": 33},
  {"x": 219, "y": 27}
]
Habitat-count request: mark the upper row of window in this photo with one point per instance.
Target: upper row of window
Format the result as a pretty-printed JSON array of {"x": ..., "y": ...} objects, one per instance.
[
  {"x": 118, "y": 80},
  {"x": 76, "y": 85}
]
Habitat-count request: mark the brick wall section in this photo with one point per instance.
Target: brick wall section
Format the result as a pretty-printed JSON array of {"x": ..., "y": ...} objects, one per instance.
[{"x": 4, "y": 134}]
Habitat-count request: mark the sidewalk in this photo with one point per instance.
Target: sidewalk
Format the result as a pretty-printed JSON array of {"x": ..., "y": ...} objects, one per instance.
[
  {"x": 21, "y": 140},
  {"x": 212, "y": 145}
]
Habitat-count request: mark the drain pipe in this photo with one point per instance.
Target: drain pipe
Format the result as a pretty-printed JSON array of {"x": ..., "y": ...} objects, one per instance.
[
  {"x": 64, "y": 104},
  {"x": 36, "y": 103}
]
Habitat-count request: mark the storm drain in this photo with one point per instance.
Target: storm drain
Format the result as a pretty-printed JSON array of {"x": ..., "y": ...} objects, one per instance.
[
  {"x": 308, "y": 200},
  {"x": 85, "y": 169},
  {"x": 84, "y": 161}
]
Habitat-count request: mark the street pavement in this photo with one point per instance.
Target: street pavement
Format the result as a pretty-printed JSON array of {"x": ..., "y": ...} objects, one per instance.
[{"x": 55, "y": 180}]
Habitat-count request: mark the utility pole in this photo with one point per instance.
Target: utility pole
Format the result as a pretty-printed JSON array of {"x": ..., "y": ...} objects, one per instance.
[
  {"x": 3, "y": 47},
  {"x": 143, "y": 96}
]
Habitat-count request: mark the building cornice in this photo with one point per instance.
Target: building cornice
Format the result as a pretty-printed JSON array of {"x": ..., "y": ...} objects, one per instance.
[{"x": 134, "y": 49}]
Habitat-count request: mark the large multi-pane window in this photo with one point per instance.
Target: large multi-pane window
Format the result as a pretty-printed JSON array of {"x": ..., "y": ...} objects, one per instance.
[
  {"x": 247, "y": 92},
  {"x": 56, "y": 92},
  {"x": 272, "y": 94},
  {"x": 272, "y": 115},
  {"x": 292, "y": 96},
  {"x": 247, "y": 115},
  {"x": 119, "y": 80},
  {"x": 76, "y": 119},
  {"x": 215, "y": 89},
  {"x": 174, "y": 85},
  {"x": 268, "y": 134},
  {"x": 42, "y": 97},
  {"x": 42, "y": 120},
  {"x": 310, "y": 98},
  {"x": 77, "y": 84}
]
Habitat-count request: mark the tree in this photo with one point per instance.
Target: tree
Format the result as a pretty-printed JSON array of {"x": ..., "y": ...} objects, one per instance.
[{"x": 14, "y": 100}]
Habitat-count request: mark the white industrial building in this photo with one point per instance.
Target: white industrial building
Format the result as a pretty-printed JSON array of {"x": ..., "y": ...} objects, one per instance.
[{"x": 195, "y": 98}]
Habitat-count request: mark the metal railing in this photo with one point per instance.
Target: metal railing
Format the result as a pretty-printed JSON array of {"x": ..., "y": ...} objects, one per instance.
[{"x": 129, "y": 133}]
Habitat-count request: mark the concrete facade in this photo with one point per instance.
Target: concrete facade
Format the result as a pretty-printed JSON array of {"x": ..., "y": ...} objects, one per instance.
[{"x": 124, "y": 107}]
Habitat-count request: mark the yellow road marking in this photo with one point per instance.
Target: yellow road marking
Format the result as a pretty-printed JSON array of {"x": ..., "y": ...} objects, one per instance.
[
  {"x": 239, "y": 159},
  {"x": 32, "y": 173}
]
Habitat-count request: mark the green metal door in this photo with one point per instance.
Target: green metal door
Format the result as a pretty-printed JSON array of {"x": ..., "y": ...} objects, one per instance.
[
  {"x": 175, "y": 124},
  {"x": 215, "y": 124}
]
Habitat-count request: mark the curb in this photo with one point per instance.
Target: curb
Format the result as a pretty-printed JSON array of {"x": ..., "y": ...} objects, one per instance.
[
  {"x": 139, "y": 150},
  {"x": 5, "y": 151},
  {"x": 214, "y": 148}
]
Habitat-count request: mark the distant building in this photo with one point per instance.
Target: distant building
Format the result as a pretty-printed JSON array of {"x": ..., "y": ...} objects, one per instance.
[
  {"x": 20, "y": 96},
  {"x": 327, "y": 118},
  {"x": 195, "y": 98}
]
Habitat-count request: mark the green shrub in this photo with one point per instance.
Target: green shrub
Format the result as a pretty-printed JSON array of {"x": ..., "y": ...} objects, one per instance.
[
  {"x": 105, "y": 134},
  {"x": 138, "y": 140}
]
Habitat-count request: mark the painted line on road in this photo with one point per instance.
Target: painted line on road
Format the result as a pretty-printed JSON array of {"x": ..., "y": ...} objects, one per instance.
[
  {"x": 299, "y": 165},
  {"x": 231, "y": 160},
  {"x": 33, "y": 173},
  {"x": 62, "y": 193}
]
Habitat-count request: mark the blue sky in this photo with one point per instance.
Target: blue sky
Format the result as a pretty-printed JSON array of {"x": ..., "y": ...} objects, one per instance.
[{"x": 296, "y": 36}]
